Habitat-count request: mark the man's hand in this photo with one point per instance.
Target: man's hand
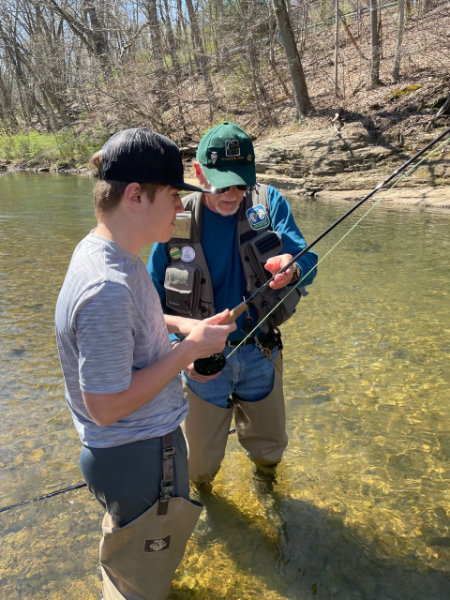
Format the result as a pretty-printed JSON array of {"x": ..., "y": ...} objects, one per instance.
[{"x": 275, "y": 264}]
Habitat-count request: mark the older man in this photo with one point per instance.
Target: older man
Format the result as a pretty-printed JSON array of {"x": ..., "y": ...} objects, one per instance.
[{"x": 234, "y": 239}]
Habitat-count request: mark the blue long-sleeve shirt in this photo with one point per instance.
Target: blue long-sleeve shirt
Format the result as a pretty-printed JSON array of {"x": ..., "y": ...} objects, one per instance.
[{"x": 219, "y": 240}]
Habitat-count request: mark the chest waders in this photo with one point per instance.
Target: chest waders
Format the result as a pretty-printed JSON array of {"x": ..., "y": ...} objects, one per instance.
[{"x": 139, "y": 559}]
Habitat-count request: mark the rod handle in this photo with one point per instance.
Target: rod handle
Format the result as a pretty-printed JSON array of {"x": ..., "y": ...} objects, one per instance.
[{"x": 235, "y": 313}]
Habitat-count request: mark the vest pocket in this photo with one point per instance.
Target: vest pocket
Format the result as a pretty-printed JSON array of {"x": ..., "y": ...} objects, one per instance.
[{"x": 182, "y": 288}]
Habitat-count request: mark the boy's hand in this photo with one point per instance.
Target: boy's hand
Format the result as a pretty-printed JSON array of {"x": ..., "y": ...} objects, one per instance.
[
  {"x": 209, "y": 336},
  {"x": 215, "y": 320}
]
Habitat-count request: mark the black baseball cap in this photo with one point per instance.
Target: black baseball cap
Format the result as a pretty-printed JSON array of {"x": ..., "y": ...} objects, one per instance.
[{"x": 143, "y": 156}]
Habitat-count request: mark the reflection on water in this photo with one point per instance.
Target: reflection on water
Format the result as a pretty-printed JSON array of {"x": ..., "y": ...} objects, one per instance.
[{"x": 360, "y": 508}]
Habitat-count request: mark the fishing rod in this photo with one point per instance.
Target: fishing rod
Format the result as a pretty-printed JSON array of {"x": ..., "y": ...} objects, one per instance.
[
  {"x": 49, "y": 495},
  {"x": 215, "y": 363},
  {"x": 70, "y": 488}
]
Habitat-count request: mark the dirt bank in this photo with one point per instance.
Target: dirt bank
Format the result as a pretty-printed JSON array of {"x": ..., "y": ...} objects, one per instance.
[{"x": 327, "y": 164}]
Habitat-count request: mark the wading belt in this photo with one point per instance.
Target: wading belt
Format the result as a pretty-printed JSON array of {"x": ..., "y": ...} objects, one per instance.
[
  {"x": 265, "y": 340},
  {"x": 168, "y": 470}
]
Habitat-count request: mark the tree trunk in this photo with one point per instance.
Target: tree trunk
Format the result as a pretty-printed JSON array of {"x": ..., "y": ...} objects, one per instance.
[
  {"x": 98, "y": 33},
  {"x": 158, "y": 53},
  {"x": 427, "y": 5},
  {"x": 301, "y": 96},
  {"x": 272, "y": 58},
  {"x": 248, "y": 19},
  {"x": 336, "y": 48},
  {"x": 171, "y": 41},
  {"x": 375, "y": 46},
  {"x": 398, "y": 49},
  {"x": 222, "y": 43},
  {"x": 176, "y": 72},
  {"x": 201, "y": 57}
]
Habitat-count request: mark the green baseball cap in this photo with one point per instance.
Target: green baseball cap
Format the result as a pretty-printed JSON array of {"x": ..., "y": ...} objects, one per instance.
[{"x": 227, "y": 156}]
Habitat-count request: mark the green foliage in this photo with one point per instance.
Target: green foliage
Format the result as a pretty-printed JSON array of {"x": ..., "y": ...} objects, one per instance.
[
  {"x": 65, "y": 149},
  {"x": 409, "y": 89}
]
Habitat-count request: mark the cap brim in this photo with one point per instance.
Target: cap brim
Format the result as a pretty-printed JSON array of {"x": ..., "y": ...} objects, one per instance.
[
  {"x": 187, "y": 186},
  {"x": 219, "y": 178}
]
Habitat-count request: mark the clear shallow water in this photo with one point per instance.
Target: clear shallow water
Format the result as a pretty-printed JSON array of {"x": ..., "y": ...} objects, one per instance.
[{"x": 361, "y": 505}]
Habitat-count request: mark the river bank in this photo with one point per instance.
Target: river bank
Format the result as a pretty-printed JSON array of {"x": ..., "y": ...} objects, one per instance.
[
  {"x": 339, "y": 162},
  {"x": 344, "y": 162},
  {"x": 329, "y": 165}
]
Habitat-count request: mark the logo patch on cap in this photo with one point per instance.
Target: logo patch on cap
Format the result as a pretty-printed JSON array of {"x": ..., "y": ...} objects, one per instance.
[
  {"x": 257, "y": 217},
  {"x": 232, "y": 148}
]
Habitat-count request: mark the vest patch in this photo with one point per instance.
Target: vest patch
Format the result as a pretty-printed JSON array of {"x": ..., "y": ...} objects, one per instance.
[
  {"x": 157, "y": 544},
  {"x": 175, "y": 253},
  {"x": 257, "y": 217},
  {"x": 187, "y": 254}
]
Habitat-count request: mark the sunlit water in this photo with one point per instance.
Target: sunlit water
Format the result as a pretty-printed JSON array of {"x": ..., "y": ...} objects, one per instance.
[{"x": 361, "y": 505}]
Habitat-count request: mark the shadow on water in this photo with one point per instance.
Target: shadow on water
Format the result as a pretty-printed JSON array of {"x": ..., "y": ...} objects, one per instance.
[{"x": 310, "y": 554}]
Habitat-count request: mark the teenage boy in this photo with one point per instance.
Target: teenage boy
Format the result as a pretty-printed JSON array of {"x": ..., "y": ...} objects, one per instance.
[{"x": 121, "y": 375}]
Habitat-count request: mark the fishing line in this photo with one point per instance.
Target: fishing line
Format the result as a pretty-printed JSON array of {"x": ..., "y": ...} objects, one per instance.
[{"x": 341, "y": 239}]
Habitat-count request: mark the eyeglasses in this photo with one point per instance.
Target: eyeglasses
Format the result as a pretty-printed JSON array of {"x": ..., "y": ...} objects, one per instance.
[{"x": 214, "y": 190}]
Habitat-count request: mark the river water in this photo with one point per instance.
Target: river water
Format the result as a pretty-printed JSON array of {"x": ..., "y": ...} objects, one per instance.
[{"x": 360, "y": 509}]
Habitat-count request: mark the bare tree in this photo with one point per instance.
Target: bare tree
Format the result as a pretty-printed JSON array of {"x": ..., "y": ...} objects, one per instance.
[
  {"x": 171, "y": 44},
  {"x": 301, "y": 96},
  {"x": 86, "y": 20},
  {"x": 201, "y": 58},
  {"x": 176, "y": 71},
  {"x": 158, "y": 53},
  {"x": 248, "y": 21},
  {"x": 375, "y": 46},
  {"x": 168, "y": 63},
  {"x": 398, "y": 49},
  {"x": 336, "y": 47},
  {"x": 221, "y": 41}
]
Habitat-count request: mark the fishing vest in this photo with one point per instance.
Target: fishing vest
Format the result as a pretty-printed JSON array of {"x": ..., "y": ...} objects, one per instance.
[{"x": 187, "y": 284}]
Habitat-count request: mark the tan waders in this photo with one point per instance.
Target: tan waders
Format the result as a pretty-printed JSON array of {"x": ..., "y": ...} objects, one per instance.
[
  {"x": 260, "y": 427},
  {"x": 138, "y": 561}
]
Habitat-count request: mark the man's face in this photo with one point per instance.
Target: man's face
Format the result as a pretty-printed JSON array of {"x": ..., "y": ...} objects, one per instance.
[{"x": 227, "y": 202}]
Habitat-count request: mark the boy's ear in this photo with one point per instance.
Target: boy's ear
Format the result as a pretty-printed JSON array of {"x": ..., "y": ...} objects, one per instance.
[{"x": 133, "y": 196}]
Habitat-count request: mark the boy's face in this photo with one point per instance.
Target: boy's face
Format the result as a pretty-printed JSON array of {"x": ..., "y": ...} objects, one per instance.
[{"x": 160, "y": 214}]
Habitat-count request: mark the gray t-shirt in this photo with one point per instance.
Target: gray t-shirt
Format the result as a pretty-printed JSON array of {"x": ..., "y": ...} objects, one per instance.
[{"x": 109, "y": 323}]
